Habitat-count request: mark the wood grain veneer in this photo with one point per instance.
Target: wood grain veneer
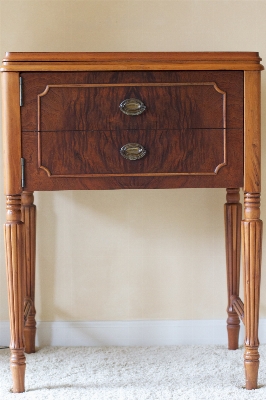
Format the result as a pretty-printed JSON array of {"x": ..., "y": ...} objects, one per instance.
[{"x": 185, "y": 129}]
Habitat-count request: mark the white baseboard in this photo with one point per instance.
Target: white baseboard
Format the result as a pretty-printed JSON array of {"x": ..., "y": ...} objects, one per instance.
[
  {"x": 131, "y": 333},
  {"x": 4, "y": 333}
]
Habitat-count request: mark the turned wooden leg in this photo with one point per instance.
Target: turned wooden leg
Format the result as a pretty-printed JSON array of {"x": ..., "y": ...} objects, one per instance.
[
  {"x": 232, "y": 218},
  {"x": 14, "y": 242},
  {"x": 252, "y": 241},
  {"x": 28, "y": 216}
]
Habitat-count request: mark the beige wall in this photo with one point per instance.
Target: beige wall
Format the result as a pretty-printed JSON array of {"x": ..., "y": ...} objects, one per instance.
[{"x": 123, "y": 255}]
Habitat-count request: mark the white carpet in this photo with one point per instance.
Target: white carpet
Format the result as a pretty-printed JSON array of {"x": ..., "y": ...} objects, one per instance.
[{"x": 134, "y": 373}]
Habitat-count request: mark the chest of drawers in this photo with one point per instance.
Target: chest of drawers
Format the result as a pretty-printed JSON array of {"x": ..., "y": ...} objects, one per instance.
[{"x": 132, "y": 121}]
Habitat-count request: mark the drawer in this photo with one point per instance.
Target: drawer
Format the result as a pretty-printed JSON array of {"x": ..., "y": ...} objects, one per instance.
[
  {"x": 85, "y": 159},
  {"x": 146, "y": 106},
  {"x": 81, "y": 153},
  {"x": 91, "y": 100}
]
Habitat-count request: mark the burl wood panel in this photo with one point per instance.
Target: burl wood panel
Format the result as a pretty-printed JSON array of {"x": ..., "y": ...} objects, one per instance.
[
  {"x": 230, "y": 82},
  {"x": 79, "y": 153},
  {"x": 153, "y": 175},
  {"x": 168, "y": 106},
  {"x": 73, "y": 128}
]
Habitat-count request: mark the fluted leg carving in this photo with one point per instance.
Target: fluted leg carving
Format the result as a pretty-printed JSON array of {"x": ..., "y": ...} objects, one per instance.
[
  {"x": 28, "y": 216},
  {"x": 252, "y": 241},
  {"x": 233, "y": 216},
  {"x": 14, "y": 242}
]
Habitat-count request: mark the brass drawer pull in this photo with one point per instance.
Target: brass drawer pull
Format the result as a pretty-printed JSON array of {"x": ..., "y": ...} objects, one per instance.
[
  {"x": 132, "y": 107},
  {"x": 133, "y": 151}
]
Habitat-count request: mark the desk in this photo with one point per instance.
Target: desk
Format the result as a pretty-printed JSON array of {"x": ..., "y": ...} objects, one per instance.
[{"x": 127, "y": 121}]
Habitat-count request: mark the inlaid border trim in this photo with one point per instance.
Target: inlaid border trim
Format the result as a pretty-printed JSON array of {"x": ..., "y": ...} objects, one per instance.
[{"x": 151, "y": 174}]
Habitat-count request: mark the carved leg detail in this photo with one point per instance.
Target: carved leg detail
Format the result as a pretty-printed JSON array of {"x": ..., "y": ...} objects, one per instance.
[
  {"x": 233, "y": 216},
  {"x": 14, "y": 241},
  {"x": 28, "y": 216},
  {"x": 252, "y": 242}
]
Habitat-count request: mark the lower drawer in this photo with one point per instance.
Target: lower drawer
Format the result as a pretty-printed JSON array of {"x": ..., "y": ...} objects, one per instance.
[
  {"x": 72, "y": 153},
  {"x": 74, "y": 156}
]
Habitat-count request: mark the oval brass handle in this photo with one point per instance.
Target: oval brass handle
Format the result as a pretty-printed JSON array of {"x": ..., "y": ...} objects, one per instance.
[
  {"x": 133, "y": 151},
  {"x": 132, "y": 107}
]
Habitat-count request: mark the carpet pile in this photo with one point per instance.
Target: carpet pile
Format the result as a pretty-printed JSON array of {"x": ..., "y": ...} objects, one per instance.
[{"x": 134, "y": 373}]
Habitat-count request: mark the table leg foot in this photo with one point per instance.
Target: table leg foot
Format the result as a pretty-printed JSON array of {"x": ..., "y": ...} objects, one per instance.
[
  {"x": 251, "y": 362},
  {"x": 18, "y": 368}
]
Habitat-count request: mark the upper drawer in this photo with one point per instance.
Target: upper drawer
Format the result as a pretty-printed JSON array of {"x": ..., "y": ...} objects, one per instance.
[
  {"x": 97, "y": 107},
  {"x": 172, "y": 100}
]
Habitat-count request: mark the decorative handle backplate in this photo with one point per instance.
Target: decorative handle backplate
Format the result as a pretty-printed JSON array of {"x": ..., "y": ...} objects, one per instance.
[
  {"x": 132, "y": 107},
  {"x": 133, "y": 151}
]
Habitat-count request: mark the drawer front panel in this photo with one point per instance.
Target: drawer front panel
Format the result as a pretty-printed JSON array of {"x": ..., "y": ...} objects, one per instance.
[
  {"x": 79, "y": 153},
  {"x": 174, "y": 100},
  {"x": 168, "y": 106},
  {"x": 39, "y": 178}
]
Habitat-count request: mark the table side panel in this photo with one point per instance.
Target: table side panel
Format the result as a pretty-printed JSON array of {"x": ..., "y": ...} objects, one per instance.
[
  {"x": 11, "y": 125},
  {"x": 252, "y": 129}
]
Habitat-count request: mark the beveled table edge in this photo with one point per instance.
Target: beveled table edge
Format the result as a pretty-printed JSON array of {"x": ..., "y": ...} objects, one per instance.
[{"x": 106, "y": 61}]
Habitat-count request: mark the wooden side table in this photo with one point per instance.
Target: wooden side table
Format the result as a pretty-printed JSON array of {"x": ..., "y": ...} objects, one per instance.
[{"x": 125, "y": 121}]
